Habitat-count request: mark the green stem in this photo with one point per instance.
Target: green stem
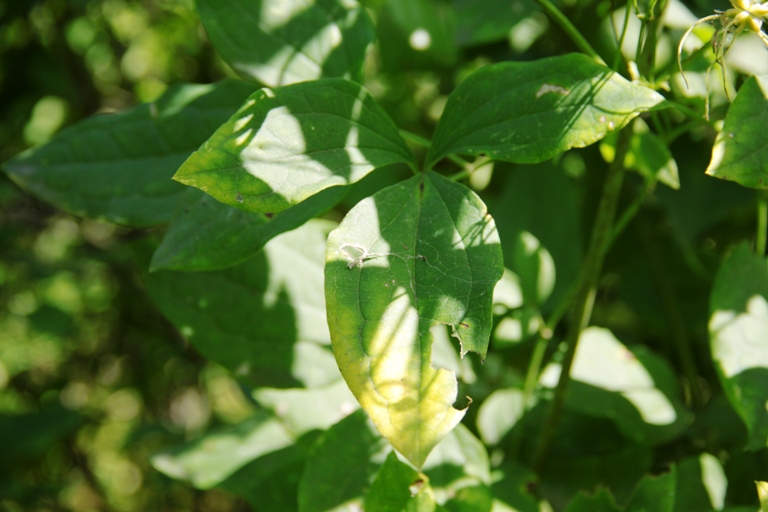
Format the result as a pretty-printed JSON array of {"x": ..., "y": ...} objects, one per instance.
[
  {"x": 581, "y": 311},
  {"x": 570, "y": 29},
  {"x": 468, "y": 167},
  {"x": 672, "y": 310},
  {"x": 762, "y": 223},
  {"x": 629, "y": 214},
  {"x": 619, "y": 54},
  {"x": 690, "y": 112},
  {"x": 416, "y": 139}
]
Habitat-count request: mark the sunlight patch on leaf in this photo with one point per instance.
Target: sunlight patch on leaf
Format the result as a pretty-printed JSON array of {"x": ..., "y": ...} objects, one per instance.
[
  {"x": 738, "y": 330},
  {"x": 632, "y": 387},
  {"x": 280, "y": 42},
  {"x": 287, "y": 144},
  {"x": 435, "y": 259}
]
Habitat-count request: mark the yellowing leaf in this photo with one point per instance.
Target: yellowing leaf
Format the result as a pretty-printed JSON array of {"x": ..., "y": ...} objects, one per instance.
[{"x": 415, "y": 255}]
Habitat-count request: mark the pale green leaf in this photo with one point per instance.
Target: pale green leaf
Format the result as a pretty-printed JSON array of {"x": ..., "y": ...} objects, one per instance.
[
  {"x": 647, "y": 154},
  {"x": 634, "y": 388},
  {"x": 206, "y": 234},
  {"x": 499, "y": 413},
  {"x": 740, "y": 153},
  {"x": 415, "y": 255},
  {"x": 535, "y": 268},
  {"x": 280, "y": 42},
  {"x": 762, "y": 492},
  {"x": 460, "y": 459},
  {"x": 341, "y": 466},
  {"x": 286, "y": 144},
  {"x": 738, "y": 330},
  {"x": 210, "y": 460},
  {"x": 527, "y": 112},
  {"x": 303, "y": 410},
  {"x": 119, "y": 167},
  {"x": 263, "y": 319}
]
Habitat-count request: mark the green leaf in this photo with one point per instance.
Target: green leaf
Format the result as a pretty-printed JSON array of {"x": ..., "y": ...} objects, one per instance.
[
  {"x": 535, "y": 268},
  {"x": 740, "y": 153},
  {"x": 543, "y": 201},
  {"x": 738, "y": 328},
  {"x": 280, "y": 42},
  {"x": 460, "y": 459},
  {"x": 284, "y": 145},
  {"x": 303, "y": 410},
  {"x": 118, "y": 167},
  {"x": 762, "y": 492},
  {"x": 647, "y": 154},
  {"x": 701, "y": 484},
  {"x": 527, "y": 112},
  {"x": 415, "y": 255},
  {"x": 263, "y": 319},
  {"x": 655, "y": 493},
  {"x": 341, "y": 466},
  {"x": 206, "y": 234},
  {"x": 511, "y": 489},
  {"x": 210, "y": 460},
  {"x": 481, "y": 22},
  {"x": 499, "y": 413},
  {"x": 476, "y": 498},
  {"x": 602, "y": 501},
  {"x": 634, "y": 388},
  {"x": 391, "y": 491}
]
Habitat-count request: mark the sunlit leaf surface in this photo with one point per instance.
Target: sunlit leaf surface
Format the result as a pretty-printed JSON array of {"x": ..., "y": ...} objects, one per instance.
[
  {"x": 762, "y": 491},
  {"x": 263, "y": 319},
  {"x": 738, "y": 330},
  {"x": 740, "y": 153},
  {"x": 119, "y": 167},
  {"x": 634, "y": 388},
  {"x": 211, "y": 459},
  {"x": 527, "y": 112},
  {"x": 415, "y": 255},
  {"x": 287, "y": 144},
  {"x": 280, "y": 42}
]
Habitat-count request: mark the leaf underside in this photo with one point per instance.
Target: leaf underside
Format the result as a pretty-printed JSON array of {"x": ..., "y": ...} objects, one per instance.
[
  {"x": 287, "y": 144},
  {"x": 415, "y": 255}
]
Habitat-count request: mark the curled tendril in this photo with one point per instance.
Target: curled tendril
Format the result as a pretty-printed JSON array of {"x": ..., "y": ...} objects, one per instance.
[{"x": 745, "y": 14}]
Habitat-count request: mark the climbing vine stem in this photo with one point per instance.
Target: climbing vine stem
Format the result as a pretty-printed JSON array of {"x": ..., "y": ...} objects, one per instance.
[
  {"x": 762, "y": 223},
  {"x": 581, "y": 308}
]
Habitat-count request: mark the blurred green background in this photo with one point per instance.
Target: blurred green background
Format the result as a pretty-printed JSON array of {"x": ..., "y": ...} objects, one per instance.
[{"x": 92, "y": 379}]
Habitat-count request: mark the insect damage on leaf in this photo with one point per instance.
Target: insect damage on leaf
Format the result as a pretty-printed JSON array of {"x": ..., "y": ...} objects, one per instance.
[{"x": 415, "y": 255}]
